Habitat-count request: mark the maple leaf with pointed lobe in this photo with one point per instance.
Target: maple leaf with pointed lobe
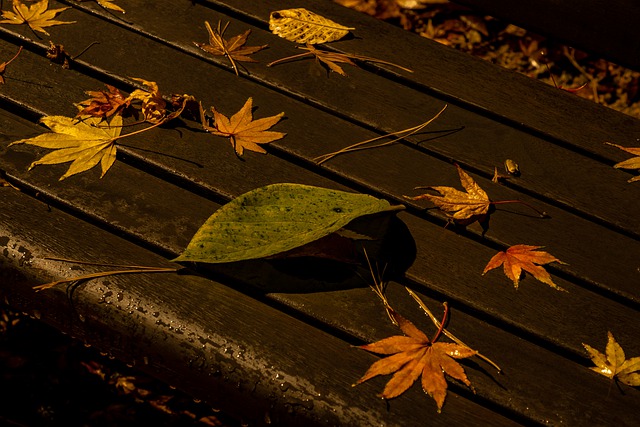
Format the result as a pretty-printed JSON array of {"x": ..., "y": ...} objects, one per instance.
[
  {"x": 632, "y": 163},
  {"x": 613, "y": 363},
  {"x": 85, "y": 143},
  {"x": 36, "y": 16},
  {"x": 242, "y": 130},
  {"x": 463, "y": 206},
  {"x": 527, "y": 258},
  {"x": 234, "y": 48},
  {"x": 413, "y": 356}
]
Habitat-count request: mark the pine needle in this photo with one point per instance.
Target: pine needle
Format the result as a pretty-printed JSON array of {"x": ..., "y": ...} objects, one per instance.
[{"x": 402, "y": 134}]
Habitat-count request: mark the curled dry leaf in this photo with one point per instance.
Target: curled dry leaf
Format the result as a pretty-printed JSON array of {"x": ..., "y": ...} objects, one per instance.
[
  {"x": 58, "y": 55},
  {"x": 613, "y": 364},
  {"x": 527, "y": 258},
  {"x": 154, "y": 107},
  {"x": 83, "y": 142},
  {"x": 302, "y": 26},
  {"x": 413, "y": 356},
  {"x": 632, "y": 163},
  {"x": 242, "y": 130},
  {"x": 461, "y": 206},
  {"x": 36, "y": 16},
  {"x": 234, "y": 48}
]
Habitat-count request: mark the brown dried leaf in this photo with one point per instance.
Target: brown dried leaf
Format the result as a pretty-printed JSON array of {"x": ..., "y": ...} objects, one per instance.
[
  {"x": 613, "y": 363},
  {"x": 414, "y": 355},
  {"x": 632, "y": 163},
  {"x": 35, "y": 16},
  {"x": 527, "y": 258},
  {"x": 104, "y": 103},
  {"x": 58, "y": 55},
  {"x": 234, "y": 48},
  {"x": 461, "y": 206},
  {"x": 242, "y": 130}
]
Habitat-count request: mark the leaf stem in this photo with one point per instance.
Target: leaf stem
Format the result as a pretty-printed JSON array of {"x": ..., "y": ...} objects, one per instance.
[
  {"x": 289, "y": 58},
  {"x": 446, "y": 332},
  {"x": 502, "y": 202},
  {"x": 106, "y": 274},
  {"x": 360, "y": 145},
  {"x": 442, "y": 323}
]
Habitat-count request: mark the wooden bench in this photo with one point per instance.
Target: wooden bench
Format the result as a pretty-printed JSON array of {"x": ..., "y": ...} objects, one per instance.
[{"x": 264, "y": 342}]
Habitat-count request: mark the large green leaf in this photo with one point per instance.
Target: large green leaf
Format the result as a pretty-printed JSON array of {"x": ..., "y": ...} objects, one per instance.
[{"x": 274, "y": 219}]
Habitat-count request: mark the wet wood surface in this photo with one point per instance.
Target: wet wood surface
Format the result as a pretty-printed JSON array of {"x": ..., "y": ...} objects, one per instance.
[{"x": 271, "y": 341}]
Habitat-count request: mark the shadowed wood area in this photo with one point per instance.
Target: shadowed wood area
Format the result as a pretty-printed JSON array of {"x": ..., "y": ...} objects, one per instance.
[{"x": 270, "y": 341}]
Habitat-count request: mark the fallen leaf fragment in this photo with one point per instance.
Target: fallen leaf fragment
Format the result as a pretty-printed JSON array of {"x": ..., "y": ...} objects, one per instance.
[
  {"x": 234, "y": 48},
  {"x": 3, "y": 66},
  {"x": 242, "y": 130},
  {"x": 302, "y": 26},
  {"x": 84, "y": 142},
  {"x": 104, "y": 103},
  {"x": 470, "y": 205},
  {"x": 36, "y": 16},
  {"x": 414, "y": 355},
  {"x": 632, "y": 163},
  {"x": 109, "y": 4},
  {"x": 524, "y": 257},
  {"x": 613, "y": 364}
]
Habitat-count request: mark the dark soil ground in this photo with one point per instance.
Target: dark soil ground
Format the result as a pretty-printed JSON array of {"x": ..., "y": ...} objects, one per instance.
[{"x": 51, "y": 380}]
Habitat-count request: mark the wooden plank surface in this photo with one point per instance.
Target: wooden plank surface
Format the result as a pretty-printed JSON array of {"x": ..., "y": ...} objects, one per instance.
[{"x": 534, "y": 333}]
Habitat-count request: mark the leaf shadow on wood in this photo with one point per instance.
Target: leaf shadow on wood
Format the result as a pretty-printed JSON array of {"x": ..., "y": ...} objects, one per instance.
[{"x": 389, "y": 244}]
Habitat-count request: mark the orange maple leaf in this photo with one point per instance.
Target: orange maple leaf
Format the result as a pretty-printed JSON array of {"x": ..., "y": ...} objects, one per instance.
[
  {"x": 414, "y": 355},
  {"x": 234, "y": 48},
  {"x": 462, "y": 206},
  {"x": 527, "y": 258},
  {"x": 242, "y": 130}
]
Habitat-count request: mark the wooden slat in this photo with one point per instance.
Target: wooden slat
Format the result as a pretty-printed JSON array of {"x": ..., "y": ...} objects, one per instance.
[{"x": 197, "y": 334}]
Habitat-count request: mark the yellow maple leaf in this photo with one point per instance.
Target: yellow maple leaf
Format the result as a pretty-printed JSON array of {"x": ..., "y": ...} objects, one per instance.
[
  {"x": 35, "y": 16},
  {"x": 613, "y": 363},
  {"x": 459, "y": 205},
  {"x": 242, "y": 130},
  {"x": 84, "y": 142}
]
